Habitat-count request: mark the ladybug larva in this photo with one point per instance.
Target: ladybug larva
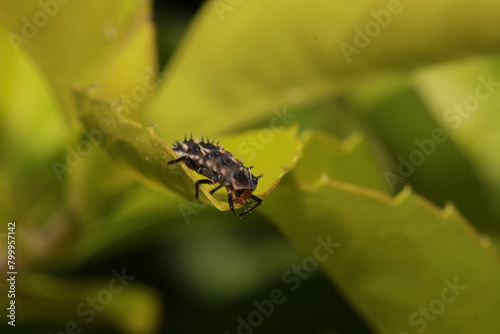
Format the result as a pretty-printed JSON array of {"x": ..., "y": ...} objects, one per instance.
[{"x": 220, "y": 167}]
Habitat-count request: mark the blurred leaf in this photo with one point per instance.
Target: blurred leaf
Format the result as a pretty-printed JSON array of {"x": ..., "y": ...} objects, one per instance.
[
  {"x": 124, "y": 304},
  {"x": 291, "y": 52},
  {"x": 130, "y": 142},
  {"x": 273, "y": 151},
  {"x": 395, "y": 256},
  {"x": 32, "y": 133},
  {"x": 112, "y": 44},
  {"x": 29, "y": 113},
  {"x": 418, "y": 151},
  {"x": 464, "y": 97},
  {"x": 142, "y": 216},
  {"x": 223, "y": 268},
  {"x": 352, "y": 161}
]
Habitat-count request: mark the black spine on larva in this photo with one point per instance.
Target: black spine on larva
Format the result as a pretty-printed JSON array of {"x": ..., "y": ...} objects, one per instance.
[
  {"x": 219, "y": 165},
  {"x": 216, "y": 164}
]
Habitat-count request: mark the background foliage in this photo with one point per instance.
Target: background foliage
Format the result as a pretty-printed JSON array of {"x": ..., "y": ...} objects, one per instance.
[{"x": 373, "y": 122}]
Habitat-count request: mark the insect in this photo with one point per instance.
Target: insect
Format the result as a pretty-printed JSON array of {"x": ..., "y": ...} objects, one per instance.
[{"x": 220, "y": 167}]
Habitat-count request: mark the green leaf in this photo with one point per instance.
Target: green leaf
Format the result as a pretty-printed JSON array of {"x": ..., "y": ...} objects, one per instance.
[
  {"x": 32, "y": 133},
  {"x": 352, "y": 161},
  {"x": 123, "y": 305},
  {"x": 419, "y": 151},
  {"x": 272, "y": 151},
  {"x": 112, "y": 44},
  {"x": 241, "y": 60},
  {"x": 140, "y": 218},
  {"x": 31, "y": 125},
  {"x": 394, "y": 258},
  {"x": 464, "y": 97}
]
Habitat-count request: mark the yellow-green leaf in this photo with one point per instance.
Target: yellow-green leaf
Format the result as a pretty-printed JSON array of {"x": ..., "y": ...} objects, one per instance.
[
  {"x": 403, "y": 263},
  {"x": 105, "y": 43},
  {"x": 464, "y": 98},
  {"x": 273, "y": 151},
  {"x": 242, "y": 59},
  {"x": 114, "y": 301},
  {"x": 351, "y": 161}
]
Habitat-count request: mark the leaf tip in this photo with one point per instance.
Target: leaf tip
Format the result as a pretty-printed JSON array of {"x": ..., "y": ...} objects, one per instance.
[
  {"x": 151, "y": 128},
  {"x": 403, "y": 195},
  {"x": 449, "y": 210}
]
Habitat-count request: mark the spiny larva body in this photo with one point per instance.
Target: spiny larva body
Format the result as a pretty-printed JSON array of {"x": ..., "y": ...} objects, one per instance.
[{"x": 220, "y": 167}]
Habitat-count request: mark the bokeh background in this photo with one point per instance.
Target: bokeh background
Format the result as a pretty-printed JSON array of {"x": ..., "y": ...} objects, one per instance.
[{"x": 374, "y": 123}]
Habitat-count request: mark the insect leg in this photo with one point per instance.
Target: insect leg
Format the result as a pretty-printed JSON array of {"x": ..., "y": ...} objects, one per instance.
[
  {"x": 197, "y": 186},
  {"x": 248, "y": 210},
  {"x": 230, "y": 201},
  {"x": 184, "y": 158},
  {"x": 190, "y": 163},
  {"x": 215, "y": 189}
]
